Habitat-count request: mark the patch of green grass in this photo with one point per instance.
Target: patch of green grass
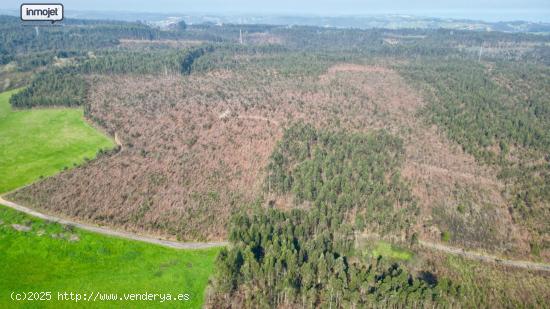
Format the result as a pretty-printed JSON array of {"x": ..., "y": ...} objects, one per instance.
[
  {"x": 46, "y": 259},
  {"x": 388, "y": 250},
  {"x": 42, "y": 142},
  {"x": 446, "y": 236}
]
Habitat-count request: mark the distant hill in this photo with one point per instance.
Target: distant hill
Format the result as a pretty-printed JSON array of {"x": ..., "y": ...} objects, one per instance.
[{"x": 164, "y": 20}]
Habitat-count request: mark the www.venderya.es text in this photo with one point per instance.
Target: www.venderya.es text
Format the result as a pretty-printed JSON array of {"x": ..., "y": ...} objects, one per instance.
[{"x": 95, "y": 296}]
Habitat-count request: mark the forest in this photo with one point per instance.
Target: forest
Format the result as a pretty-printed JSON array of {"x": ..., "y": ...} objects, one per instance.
[
  {"x": 358, "y": 175},
  {"x": 300, "y": 144},
  {"x": 501, "y": 116},
  {"x": 307, "y": 257},
  {"x": 67, "y": 86},
  {"x": 52, "y": 88}
]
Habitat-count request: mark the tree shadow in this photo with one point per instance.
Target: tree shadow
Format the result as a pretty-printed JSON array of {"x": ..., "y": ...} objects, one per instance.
[{"x": 428, "y": 277}]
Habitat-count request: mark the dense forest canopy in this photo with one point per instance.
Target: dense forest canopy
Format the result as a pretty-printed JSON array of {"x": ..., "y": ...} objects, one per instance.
[
  {"x": 307, "y": 257},
  {"x": 356, "y": 174},
  {"x": 55, "y": 88}
]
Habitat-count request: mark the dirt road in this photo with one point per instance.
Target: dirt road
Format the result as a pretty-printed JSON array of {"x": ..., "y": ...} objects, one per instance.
[
  {"x": 479, "y": 256},
  {"x": 485, "y": 257},
  {"x": 259, "y": 118},
  {"x": 111, "y": 232},
  {"x": 202, "y": 245}
]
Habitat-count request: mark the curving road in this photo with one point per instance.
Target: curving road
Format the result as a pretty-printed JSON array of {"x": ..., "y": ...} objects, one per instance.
[
  {"x": 203, "y": 245},
  {"x": 111, "y": 232},
  {"x": 485, "y": 257},
  {"x": 472, "y": 255},
  {"x": 108, "y": 231}
]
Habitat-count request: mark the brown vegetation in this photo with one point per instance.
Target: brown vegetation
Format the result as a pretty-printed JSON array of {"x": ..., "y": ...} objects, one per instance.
[
  {"x": 456, "y": 193},
  {"x": 196, "y": 148}
]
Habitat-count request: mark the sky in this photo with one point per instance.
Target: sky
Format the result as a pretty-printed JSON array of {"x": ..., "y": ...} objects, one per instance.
[{"x": 492, "y": 10}]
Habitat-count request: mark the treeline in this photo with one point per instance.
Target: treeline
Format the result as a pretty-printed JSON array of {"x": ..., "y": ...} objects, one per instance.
[
  {"x": 306, "y": 257},
  {"x": 355, "y": 43},
  {"x": 408, "y": 43},
  {"x": 478, "y": 112},
  {"x": 160, "y": 62},
  {"x": 72, "y": 36},
  {"x": 263, "y": 58},
  {"x": 52, "y": 88},
  {"x": 311, "y": 38},
  {"x": 67, "y": 87},
  {"x": 133, "y": 62},
  {"x": 83, "y": 35}
]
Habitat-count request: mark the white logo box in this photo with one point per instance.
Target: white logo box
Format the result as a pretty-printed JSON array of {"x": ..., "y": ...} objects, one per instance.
[{"x": 42, "y": 12}]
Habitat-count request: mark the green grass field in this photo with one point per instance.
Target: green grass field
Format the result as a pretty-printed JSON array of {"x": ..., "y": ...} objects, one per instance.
[
  {"x": 388, "y": 250},
  {"x": 41, "y": 142},
  {"x": 45, "y": 259},
  {"x": 40, "y": 256}
]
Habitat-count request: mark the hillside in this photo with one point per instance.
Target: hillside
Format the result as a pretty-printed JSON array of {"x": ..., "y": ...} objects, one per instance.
[{"x": 337, "y": 162}]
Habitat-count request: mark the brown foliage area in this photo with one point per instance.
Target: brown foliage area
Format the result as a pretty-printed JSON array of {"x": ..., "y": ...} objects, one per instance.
[
  {"x": 442, "y": 176},
  {"x": 196, "y": 147},
  {"x": 181, "y": 170}
]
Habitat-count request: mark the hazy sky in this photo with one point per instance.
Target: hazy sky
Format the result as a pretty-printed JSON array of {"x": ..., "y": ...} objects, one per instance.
[{"x": 499, "y": 9}]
